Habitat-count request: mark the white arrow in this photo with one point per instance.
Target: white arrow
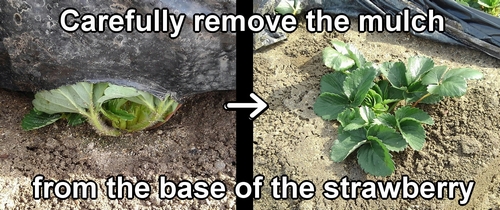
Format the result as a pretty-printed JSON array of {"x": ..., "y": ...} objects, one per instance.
[{"x": 260, "y": 106}]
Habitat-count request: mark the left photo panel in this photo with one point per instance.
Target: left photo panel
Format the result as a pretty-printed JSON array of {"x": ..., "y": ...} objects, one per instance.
[{"x": 116, "y": 105}]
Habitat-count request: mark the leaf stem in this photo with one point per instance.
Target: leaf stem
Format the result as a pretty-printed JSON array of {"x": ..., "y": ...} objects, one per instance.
[
  {"x": 420, "y": 99},
  {"x": 393, "y": 106},
  {"x": 95, "y": 120}
]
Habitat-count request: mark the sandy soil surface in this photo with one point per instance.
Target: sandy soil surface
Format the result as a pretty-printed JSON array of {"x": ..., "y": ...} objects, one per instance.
[
  {"x": 291, "y": 140},
  {"x": 198, "y": 143}
]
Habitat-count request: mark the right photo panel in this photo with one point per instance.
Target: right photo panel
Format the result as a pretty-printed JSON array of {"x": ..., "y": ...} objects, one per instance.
[{"x": 378, "y": 104}]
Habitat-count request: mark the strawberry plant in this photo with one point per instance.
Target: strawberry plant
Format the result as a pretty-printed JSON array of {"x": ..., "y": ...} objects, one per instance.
[
  {"x": 491, "y": 7},
  {"x": 376, "y": 104},
  {"x": 288, "y": 7},
  {"x": 109, "y": 108}
]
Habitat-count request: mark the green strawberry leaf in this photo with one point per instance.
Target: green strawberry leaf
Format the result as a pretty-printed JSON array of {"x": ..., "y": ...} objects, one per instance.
[
  {"x": 372, "y": 98},
  {"x": 378, "y": 87},
  {"x": 116, "y": 91},
  {"x": 329, "y": 105},
  {"x": 66, "y": 99},
  {"x": 145, "y": 110},
  {"x": 113, "y": 110},
  {"x": 415, "y": 96},
  {"x": 413, "y": 132},
  {"x": 389, "y": 137},
  {"x": 415, "y": 114},
  {"x": 417, "y": 86},
  {"x": 434, "y": 75},
  {"x": 466, "y": 73},
  {"x": 452, "y": 83},
  {"x": 335, "y": 60},
  {"x": 388, "y": 120},
  {"x": 98, "y": 91},
  {"x": 463, "y": 2},
  {"x": 285, "y": 7},
  {"x": 395, "y": 72},
  {"x": 349, "y": 51},
  {"x": 375, "y": 159},
  {"x": 347, "y": 142},
  {"x": 356, "y": 56},
  {"x": 452, "y": 87},
  {"x": 333, "y": 83},
  {"x": 366, "y": 114},
  {"x": 36, "y": 119},
  {"x": 143, "y": 118},
  {"x": 351, "y": 120},
  {"x": 389, "y": 93},
  {"x": 75, "y": 119},
  {"x": 288, "y": 7},
  {"x": 77, "y": 98},
  {"x": 341, "y": 47},
  {"x": 358, "y": 83},
  {"x": 380, "y": 108},
  {"x": 488, "y": 3},
  {"x": 417, "y": 66},
  {"x": 432, "y": 99}
]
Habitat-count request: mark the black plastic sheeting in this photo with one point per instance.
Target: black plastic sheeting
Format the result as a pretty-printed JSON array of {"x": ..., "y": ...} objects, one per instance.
[
  {"x": 464, "y": 25},
  {"x": 35, "y": 53}
]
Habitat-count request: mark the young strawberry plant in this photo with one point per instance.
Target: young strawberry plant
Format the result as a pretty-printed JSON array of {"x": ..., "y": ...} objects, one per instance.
[
  {"x": 109, "y": 108},
  {"x": 491, "y": 7},
  {"x": 376, "y": 104},
  {"x": 288, "y": 7}
]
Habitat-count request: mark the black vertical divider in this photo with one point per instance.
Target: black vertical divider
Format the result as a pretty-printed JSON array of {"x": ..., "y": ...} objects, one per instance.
[{"x": 244, "y": 86}]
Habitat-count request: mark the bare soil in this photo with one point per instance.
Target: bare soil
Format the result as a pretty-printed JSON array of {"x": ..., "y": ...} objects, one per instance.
[
  {"x": 197, "y": 143},
  {"x": 463, "y": 144}
]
